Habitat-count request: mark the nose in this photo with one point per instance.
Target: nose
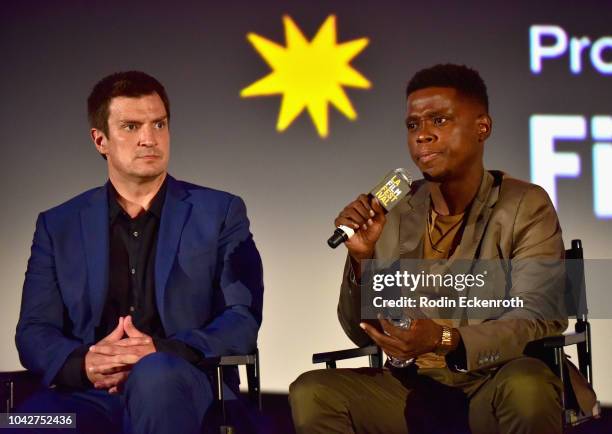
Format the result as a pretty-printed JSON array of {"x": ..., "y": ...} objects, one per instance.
[
  {"x": 147, "y": 136},
  {"x": 425, "y": 136}
]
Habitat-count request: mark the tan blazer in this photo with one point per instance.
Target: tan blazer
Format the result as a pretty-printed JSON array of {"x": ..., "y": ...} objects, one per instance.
[{"x": 509, "y": 219}]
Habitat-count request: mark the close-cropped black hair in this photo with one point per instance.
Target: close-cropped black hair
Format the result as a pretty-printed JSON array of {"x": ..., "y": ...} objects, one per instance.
[
  {"x": 466, "y": 81},
  {"x": 130, "y": 84}
]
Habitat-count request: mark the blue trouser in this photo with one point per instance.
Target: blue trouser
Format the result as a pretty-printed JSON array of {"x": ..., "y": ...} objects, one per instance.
[{"x": 163, "y": 394}]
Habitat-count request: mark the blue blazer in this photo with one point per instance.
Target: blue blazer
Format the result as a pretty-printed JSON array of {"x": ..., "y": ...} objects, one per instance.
[{"x": 208, "y": 276}]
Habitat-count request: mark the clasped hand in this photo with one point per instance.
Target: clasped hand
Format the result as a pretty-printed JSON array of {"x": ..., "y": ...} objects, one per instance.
[
  {"x": 422, "y": 337},
  {"x": 108, "y": 362}
]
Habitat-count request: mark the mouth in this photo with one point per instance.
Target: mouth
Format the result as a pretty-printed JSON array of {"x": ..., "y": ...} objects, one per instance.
[
  {"x": 427, "y": 156},
  {"x": 149, "y": 157}
]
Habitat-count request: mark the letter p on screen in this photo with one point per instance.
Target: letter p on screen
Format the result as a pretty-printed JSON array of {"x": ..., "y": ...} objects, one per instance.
[{"x": 539, "y": 51}]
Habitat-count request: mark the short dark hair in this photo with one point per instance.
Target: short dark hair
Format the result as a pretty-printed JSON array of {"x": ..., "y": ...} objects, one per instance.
[
  {"x": 130, "y": 84},
  {"x": 465, "y": 80}
]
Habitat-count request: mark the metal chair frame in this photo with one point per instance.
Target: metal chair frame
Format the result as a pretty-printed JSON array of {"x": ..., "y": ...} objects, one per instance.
[{"x": 251, "y": 362}]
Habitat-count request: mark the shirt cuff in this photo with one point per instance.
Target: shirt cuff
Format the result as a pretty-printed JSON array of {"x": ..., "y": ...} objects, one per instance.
[
  {"x": 72, "y": 374},
  {"x": 456, "y": 360},
  {"x": 178, "y": 348}
]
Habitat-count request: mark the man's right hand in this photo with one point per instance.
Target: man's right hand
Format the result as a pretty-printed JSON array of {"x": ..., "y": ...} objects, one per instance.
[
  {"x": 367, "y": 217},
  {"x": 104, "y": 371}
]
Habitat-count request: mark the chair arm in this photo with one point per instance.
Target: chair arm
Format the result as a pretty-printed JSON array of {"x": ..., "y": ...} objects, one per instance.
[
  {"x": 234, "y": 360},
  {"x": 561, "y": 340},
  {"x": 17, "y": 375},
  {"x": 246, "y": 359},
  {"x": 332, "y": 356}
]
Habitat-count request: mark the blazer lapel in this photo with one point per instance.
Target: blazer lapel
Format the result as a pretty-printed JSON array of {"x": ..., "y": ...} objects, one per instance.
[
  {"x": 413, "y": 223},
  {"x": 174, "y": 216},
  {"x": 467, "y": 251},
  {"x": 477, "y": 219},
  {"x": 94, "y": 226},
  {"x": 413, "y": 220}
]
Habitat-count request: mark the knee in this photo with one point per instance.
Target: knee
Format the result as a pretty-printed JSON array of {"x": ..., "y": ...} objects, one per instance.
[
  {"x": 309, "y": 387},
  {"x": 529, "y": 389},
  {"x": 312, "y": 397},
  {"x": 155, "y": 373}
]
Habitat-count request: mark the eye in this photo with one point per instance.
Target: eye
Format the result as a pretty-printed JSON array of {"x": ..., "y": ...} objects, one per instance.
[
  {"x": 160, "y": 125},
  {"x": 440, "y": 120},
  {"x": 129, "y": 127},
  {"x": 411, "y": 126}
]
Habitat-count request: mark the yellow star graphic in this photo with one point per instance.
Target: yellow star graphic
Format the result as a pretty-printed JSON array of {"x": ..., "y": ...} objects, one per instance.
[{"x": 308, "y": 75}]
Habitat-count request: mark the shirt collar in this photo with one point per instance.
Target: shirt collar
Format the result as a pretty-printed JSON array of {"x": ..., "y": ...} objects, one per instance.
[{"x": 157, "y": 204}]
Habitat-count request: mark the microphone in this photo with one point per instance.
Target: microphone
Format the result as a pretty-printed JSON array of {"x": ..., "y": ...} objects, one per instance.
[{"x": 393, "y": 188}]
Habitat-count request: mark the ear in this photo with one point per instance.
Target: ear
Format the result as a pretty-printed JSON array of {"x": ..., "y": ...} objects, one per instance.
[
  {"x": 484, "y": 125},
  {"x": 100, "y": 140}
]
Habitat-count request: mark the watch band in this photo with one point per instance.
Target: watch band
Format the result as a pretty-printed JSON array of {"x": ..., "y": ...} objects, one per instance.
[{"x": 446, "y": 341}]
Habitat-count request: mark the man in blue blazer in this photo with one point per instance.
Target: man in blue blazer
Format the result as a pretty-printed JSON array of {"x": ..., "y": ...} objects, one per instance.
[{"x": 130, "y": 286}]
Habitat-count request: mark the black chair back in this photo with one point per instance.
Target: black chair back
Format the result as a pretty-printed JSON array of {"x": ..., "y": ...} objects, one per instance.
[{"x": 575, "y": 289}]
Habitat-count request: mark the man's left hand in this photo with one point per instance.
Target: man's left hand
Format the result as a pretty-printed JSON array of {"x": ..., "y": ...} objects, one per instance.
[{"x": 422, "y": 337}]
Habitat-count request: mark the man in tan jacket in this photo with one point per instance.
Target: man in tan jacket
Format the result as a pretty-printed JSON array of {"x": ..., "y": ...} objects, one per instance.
[{"x": 469, "y": 374}]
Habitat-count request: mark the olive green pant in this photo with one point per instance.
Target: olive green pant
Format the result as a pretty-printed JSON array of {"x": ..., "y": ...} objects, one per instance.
[{"x": 522, "y": 396}]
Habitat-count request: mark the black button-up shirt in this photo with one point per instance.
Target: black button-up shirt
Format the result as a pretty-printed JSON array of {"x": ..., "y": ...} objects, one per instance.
[
  {"x": 131, "y": 285},
  {"x": 131, "y": 277}
]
